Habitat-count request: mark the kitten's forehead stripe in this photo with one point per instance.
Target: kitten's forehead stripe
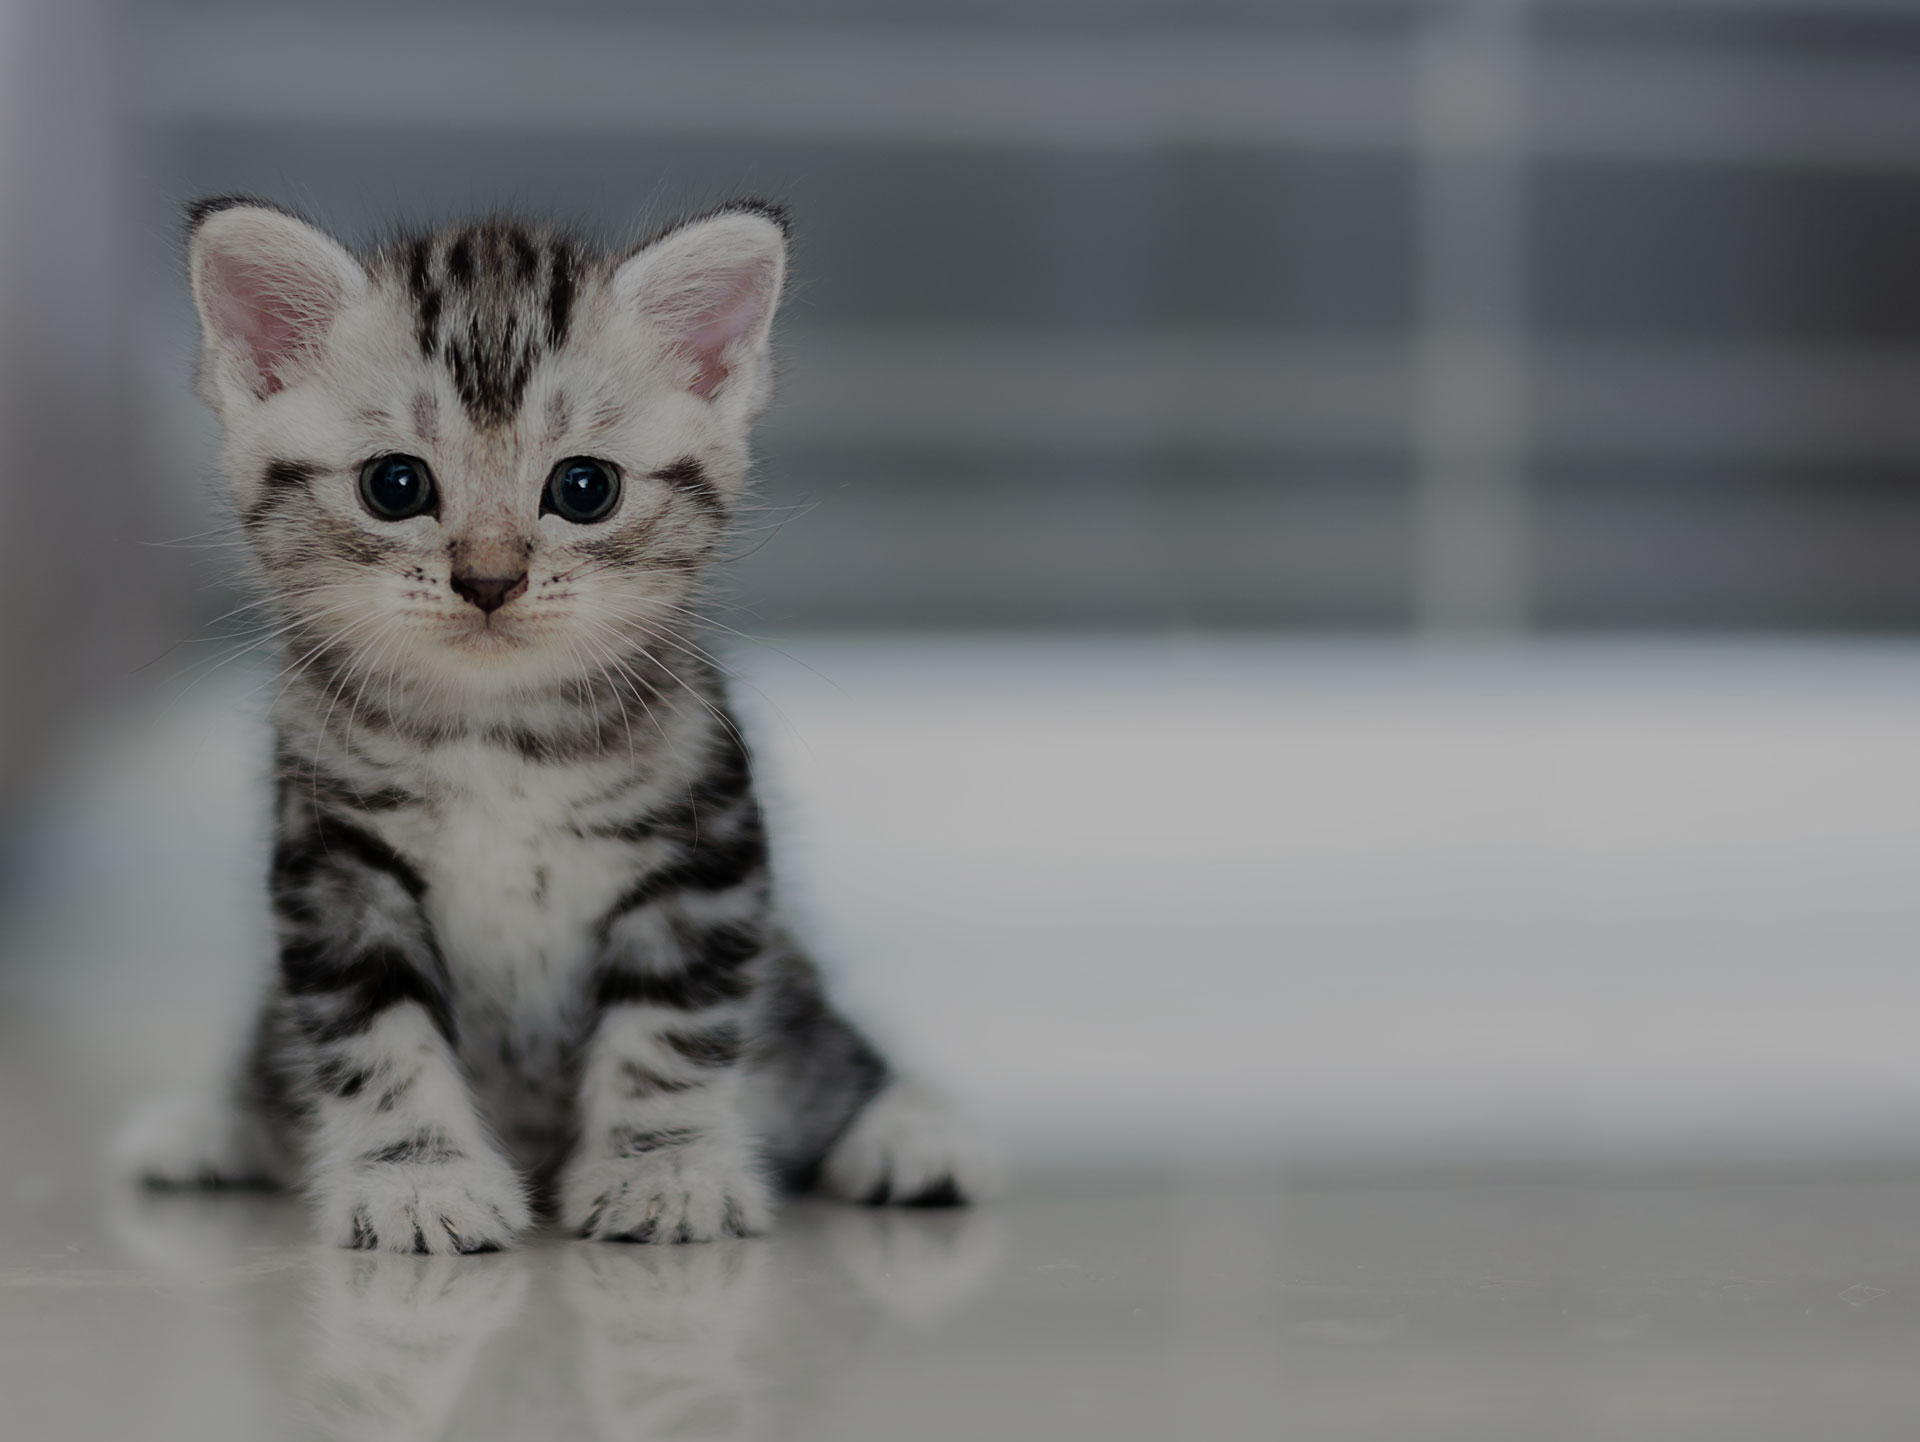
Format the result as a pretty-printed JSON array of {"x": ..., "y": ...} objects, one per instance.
[
  {"x": 426, "y": 297},
  {"x": 426, "y": 416},
  {"x": 560, "y": 267},
  {"x": 526, "y": 258},
  {"x": 490, "y": 301}
]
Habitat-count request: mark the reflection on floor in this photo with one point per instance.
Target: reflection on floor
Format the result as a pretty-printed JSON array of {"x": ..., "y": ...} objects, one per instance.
[
  {"x": 1183, "y": 1305},
  {"x": 606, "y": 1341}
]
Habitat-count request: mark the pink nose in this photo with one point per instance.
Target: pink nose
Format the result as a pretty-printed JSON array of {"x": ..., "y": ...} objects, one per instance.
[{"x": 490, "y": 593}]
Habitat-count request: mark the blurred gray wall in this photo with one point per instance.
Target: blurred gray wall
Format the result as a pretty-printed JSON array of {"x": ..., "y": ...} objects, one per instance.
[
  {"x": 1460, "y": 316},
  {"x": 81, "y": 606}
]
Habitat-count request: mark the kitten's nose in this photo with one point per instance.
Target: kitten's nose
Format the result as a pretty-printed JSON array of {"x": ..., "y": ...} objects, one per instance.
[{"x": 489, "y": 593}]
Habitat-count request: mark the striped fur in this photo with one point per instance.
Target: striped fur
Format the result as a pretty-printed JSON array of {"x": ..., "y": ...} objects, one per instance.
[{"x": 529, "y": 947}]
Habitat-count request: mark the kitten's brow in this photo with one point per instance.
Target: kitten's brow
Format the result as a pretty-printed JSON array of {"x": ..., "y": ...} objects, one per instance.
[{"x": 426, "y": 416}]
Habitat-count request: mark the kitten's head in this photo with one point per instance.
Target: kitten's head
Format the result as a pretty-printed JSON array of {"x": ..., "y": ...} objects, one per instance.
[{"x": 487, "y": 459}]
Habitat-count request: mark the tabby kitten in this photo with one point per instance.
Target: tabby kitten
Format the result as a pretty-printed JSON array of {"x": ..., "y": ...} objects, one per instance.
[{"x": 529, "y": 951}]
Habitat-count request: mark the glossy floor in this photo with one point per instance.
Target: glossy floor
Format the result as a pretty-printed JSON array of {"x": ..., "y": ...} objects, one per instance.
[{"x": 1177, "y": 1305}]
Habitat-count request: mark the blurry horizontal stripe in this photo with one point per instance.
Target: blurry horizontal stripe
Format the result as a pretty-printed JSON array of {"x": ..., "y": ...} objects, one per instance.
[
  {"x": 1111, "y": 389},
  {"x": 1652, "y": 398},
  {"x": 1103, "y": 91}
]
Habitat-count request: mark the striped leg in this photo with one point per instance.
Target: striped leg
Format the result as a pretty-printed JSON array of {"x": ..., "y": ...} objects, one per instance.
[
  {"x": 357, "y": 1050},
  {"x": 400, "y": 1161},
  {"x": 665, "y": 1151}
]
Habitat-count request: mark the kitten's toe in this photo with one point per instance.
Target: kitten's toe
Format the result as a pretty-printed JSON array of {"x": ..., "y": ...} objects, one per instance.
[
  {"x": 189, "y": 1141},
  {"x": 909, "y": 1148},
  {"x": 682, "y": 1194},
  {"x": 433, "y": 1208}
]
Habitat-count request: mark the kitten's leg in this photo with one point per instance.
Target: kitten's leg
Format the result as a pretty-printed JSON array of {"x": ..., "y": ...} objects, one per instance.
[
  {"x": 665, "y": 1154},
  {"x": 665, "y": 1151},
  {"x": 236, "y": 1135},
  {"x": 812, "y": 1071},
  {"x": 908, "y": 1147},
  {"x": 399, "y": 1159},
  {"x": 357, "y": 1052},
  {"x": 841, "y": 1120},
  {"x": 193, "y": 1139}
]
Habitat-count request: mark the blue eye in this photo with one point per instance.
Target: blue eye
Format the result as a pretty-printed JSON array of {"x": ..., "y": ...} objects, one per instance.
[
  {"x": 581, "y": 489},
  {"x": 396, "y": 487}
]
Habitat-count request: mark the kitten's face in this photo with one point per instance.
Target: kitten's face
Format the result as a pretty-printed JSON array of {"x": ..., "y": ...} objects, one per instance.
[{"x": 487, "y": 462}]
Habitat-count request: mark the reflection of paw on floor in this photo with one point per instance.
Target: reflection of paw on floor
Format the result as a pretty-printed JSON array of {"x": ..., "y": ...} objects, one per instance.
[
  {"x": 195, "y": 1232},
  {"x": 396, "y": 1338},
  {"x": 918, "y": 1265},
  {"x": 663, "y": 1335},
  {"x": 665, "y": 1341}
]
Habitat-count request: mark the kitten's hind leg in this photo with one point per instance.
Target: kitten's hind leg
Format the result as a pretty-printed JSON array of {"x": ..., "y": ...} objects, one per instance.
[
  {"x": 838, "y": 1119},
  {"x": 197, "y": 1139},
  {"x": 908, "y": 1147}
]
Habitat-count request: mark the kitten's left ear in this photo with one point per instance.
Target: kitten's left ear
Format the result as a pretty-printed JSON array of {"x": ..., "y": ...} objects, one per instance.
[
  {"x": 709, "y": 290},
  {"x": 268, "y": 287}
]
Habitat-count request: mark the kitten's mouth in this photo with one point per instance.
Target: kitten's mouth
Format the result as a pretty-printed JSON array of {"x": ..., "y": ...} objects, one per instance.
[{"x": 488, "y": 635}]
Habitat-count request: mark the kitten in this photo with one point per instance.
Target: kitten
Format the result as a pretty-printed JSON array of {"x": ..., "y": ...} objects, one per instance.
[{"x": 529, "y": 951}]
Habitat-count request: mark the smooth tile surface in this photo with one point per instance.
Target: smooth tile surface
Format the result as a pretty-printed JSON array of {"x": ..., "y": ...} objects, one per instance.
[
  {"x": 1411, "y": 1301},
  {"x": 1426, "y": 1305}
]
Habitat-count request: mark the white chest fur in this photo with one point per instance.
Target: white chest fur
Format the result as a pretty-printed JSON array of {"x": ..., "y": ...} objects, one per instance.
[{"x": 514, "y": 889}]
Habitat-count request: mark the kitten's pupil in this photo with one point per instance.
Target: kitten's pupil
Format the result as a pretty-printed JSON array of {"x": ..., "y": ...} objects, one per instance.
[
  {"x": 396, "y": 487},
  {"x": 581, "y": 489}
]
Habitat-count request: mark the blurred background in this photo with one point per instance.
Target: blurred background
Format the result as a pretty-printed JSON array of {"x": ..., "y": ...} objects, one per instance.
[{"x": 1330, "y": 574}]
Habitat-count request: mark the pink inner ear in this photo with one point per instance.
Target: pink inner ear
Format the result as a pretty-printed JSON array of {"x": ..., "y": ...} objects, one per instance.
[
  {"x": 276, "y": 312},
  {"x": 734, "y": 312}
]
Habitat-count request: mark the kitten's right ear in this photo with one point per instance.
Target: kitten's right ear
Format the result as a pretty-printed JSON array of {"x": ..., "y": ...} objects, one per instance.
[{"x": 268, "y": 288}]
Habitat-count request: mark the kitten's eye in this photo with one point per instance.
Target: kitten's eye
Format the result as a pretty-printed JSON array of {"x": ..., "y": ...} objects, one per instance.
[
  {"x": 396, "y": 487},
  {"x": 581, "y": 490}
]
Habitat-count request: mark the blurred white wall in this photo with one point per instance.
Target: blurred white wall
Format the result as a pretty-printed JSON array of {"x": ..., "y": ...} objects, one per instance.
[{"x": 1137, "y": 898}]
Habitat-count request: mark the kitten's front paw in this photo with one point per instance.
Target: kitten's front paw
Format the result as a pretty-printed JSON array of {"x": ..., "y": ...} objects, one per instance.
[
  {"x": 686, "y": 1192},
  {"x": 438, "y": 1207},
  {"x": 909, "y": 1148}
]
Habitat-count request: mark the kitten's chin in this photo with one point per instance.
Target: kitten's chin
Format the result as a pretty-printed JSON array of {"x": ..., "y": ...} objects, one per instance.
[
  {"x": 486, "y": 641},
  {"x": 489, "y": 658}
]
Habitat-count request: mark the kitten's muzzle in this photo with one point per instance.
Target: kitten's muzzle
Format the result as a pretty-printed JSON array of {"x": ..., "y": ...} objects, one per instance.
[{"x": 489, "y": 593}]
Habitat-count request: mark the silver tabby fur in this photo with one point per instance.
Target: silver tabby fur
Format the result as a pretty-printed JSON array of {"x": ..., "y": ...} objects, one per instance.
[{"x": 529, "y": 950}]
